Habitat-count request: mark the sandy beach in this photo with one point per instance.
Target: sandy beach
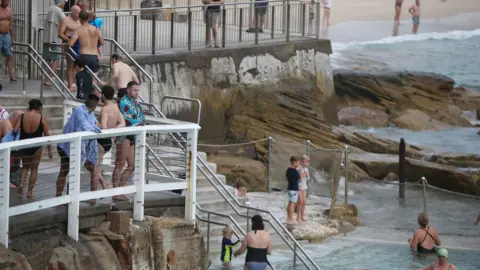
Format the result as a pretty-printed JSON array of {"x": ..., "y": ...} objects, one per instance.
[{"x": 374, "y": 10}]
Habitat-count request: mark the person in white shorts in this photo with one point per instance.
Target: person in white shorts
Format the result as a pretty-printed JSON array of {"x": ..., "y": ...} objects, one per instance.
[{"x": 302, "y": 188}]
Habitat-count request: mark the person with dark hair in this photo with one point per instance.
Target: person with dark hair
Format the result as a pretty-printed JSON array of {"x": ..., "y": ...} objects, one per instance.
[
  {"x": 122, "y": 92},
  {"x": 52, "y": 52},
  {"x": 32, "y": 125},
  {"x": 110, "y": 117},
  {"x": 82, "y": 119},
  {"x": 258, "y": 244},
  {"x": 425, "y": 238},
  {"x": 133, "y": 115},
  {"x": 293, "y": 178},
  {"x": 122, "y": 75},
  {"x": 89, "y": 37},
  {"x": 84, "y": 81}
]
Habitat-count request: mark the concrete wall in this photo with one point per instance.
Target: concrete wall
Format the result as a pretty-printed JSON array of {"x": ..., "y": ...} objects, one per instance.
[{"x": 187, "y": 74}]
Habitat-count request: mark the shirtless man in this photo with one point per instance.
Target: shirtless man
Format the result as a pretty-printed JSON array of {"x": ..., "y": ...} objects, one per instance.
[
  {"x": 89, "y": 37},
  {"x": 67, "y": 27},
  {"x": 415, "y": 11},
  {"x": 122, "y": 74},
  {"x": 6, "y": 35},
  {"x": 110, "y": 117}
]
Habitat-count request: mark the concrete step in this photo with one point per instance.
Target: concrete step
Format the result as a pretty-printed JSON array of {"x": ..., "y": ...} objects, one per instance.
[
  {"x": 210, "y": 191},
  {"x": 216, "y": 203},
  {"x": 174, "y": 152},
  {"x": 55, "y": 123},
  {"x": 48, "y": 111},
  {"x": 11, "y": 100},
  {"x": 202, "y": 181}
]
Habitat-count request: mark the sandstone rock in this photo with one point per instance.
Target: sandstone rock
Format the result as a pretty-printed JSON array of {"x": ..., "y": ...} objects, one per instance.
[
  {"x": 442, "y": 176},
  {"x": 10, "y": 260},
  {"x": 313, "y": 231},
  {"x": 119, "y": 221},
  {"x": 391, "y": 177},
  {"x": 253, "y": 172},
  {"x": 370, "y": 143},
  {"x": 348, "y": 213},
  {"x": 455, "y": 159},
  {"x": 417, "y": 120},
  {"x": 394, "y": 92},
  {"x": 362, "y": 117},
  {"x": 466, "y": 99}
]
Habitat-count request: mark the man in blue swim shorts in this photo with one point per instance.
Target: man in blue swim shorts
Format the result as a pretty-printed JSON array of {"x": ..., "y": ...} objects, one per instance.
[
  {"x": 6, "y": 35},
  {"x": 67, "y": 27},
  {"x": 293, "y": 177}
]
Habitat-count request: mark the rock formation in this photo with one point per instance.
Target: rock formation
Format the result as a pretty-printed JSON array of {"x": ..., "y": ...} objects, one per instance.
[
  {"x": 363, "y": 117},
  {"x": 395, "y": 92},
  {"x": 119, "y": 243}
]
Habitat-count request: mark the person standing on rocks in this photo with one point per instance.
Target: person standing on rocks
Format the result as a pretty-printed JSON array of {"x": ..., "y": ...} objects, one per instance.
[
  {"x": 293, "y": 177},
  {"x": 302, "y": 188}
]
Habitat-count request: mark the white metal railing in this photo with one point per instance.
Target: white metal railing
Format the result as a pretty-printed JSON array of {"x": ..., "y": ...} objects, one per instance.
[{"x": 75, "y": 196}]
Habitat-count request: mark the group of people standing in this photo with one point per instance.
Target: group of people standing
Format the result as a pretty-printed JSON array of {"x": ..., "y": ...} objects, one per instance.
[
  {"x": 414, "y": 10},
  {"x": 32, "y": 124},
  {"x": 297, "y": 176}
]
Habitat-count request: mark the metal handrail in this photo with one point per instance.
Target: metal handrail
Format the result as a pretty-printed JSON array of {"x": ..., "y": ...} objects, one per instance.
[
  {"x": 203, "y": 165},
  {"x": 199, "y": 104},
  {"x": 150, "y": 95},
  {"x": 159, "y": 161},
  {"x": 34, "y": 55},
  {"x": 208, "y": 221}
]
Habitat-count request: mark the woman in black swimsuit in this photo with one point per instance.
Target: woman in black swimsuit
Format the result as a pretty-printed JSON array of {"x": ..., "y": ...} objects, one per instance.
[
  {"x": 32, "y": 125},
  {"x": 425, "y": 238},
  {"x": 258, "y": 245}
]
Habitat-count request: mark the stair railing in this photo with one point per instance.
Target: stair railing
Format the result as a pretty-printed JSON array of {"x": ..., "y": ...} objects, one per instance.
[
  {"x": 208, "y": 221},
  {"x": 44, "y": 68}
]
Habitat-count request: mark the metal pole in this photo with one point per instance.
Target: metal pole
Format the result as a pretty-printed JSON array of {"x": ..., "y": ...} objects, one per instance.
[
  {"x": 424, "y": 182},
  {"x": 284, "y": 15},
  {"x": 189, "y": 29},
  {"x": 240, "y": 24},
  {"x": 270, "y": 148},
  {"x": 318, "y": 20},
  {"x": 346, "y": 174},
  {"x": 248, "y": 222},
  {"x": 288, "y": 21},
  {"x": 154, "y": 30},
  {"x": 401, "y": 167},
  {"x": 208, "y": 233},
  {"x": 294, "y": 255}
]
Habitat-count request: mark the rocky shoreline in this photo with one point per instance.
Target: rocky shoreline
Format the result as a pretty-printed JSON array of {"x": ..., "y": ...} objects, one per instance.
[{"x": 297, "y": 110}]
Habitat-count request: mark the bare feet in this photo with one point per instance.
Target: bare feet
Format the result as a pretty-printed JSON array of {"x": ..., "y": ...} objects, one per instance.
[
  {"x": 120, "y": 198},
  {"x": 12, "y": 186},
  {"x": 304, "y": 219},
  {"x": 20, "y": 190},
  {"x": 30, "y": 195}
]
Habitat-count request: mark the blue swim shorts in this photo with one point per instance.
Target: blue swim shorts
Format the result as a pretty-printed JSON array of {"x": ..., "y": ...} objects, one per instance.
[{"x": 292, "y": 196}]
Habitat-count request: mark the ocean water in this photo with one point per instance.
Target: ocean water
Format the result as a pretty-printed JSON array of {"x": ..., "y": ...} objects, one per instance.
[{"x": 455, "y": 54}]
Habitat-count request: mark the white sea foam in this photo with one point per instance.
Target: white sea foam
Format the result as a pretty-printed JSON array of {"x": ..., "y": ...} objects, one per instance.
[{"x": 454, "y": 35}]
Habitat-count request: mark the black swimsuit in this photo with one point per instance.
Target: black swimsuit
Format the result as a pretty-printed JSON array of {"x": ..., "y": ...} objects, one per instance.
[
  {"x": 36, "y": 134},
  {"x": 106, "y": 143},
  {"x": 421, "y": 249},
  {"x": 399, "y": 3}
]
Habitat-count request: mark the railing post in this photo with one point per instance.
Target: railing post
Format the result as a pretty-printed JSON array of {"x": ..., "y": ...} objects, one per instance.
[
  {"x": 135, "y": 25},
  {"x": 191, "y": 175},
  {"x": 401, "y": 167},
  {"x": 67, "y": 111},
  {"x": 284, "y": 16},
  {"x": 272, "y": 32},
  {"x": 208, "y": 233},
  {"x": 294, "y": 255},
  {"x": 302, "y": 17},
  {"x": 346, "y": 174},
  {"x": 288, "y": 21},
  {"x": 257, "y": 16},
  {"x": 189, "y": 29},
  {"x": 317, "y": 23},
  {"x": 424, "y": 183},
  {"x": 74, "y": 187},
  {"x": 172, "y": 29},
  {"x": 115, "y": 29},
  {"x": 240, "y": 26},
  {"x": 270, "y": 149},
  {"x": 154, "y": 30},
  {"x": 248, "y": 222},
  {"x": 224, "y": 23},
  {"x": 4, "y": 196},
  {"x": 139, "y": 176}
]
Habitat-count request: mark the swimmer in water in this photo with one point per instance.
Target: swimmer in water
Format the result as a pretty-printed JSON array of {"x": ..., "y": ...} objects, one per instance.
[
  {"x": 442, "y": 262},
  {"x": 425, "y": 238}
]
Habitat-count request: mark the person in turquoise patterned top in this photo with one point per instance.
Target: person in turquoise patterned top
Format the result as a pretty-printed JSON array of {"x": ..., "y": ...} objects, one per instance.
[{"x": 133, "y": 114}]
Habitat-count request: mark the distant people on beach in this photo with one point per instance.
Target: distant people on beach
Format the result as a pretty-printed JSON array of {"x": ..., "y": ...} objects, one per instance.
[
  {"x": 32, "y": 125},
  {"x": 424, "y": 238},
  {"x": 415, "y": 11},
  {"x": 211, "y": 14},
  {"x": 293, "y": 178},
  {"x": 398, "y": 10},
  {"x": 442, "y": 262},
  {"x": 261, "y": 8},
  {"x": 258, "y": 244},
  {"x": 227, "y": 247},
  {"x": 327, "y": 5},
  {"x": 302, "y": 188}
]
